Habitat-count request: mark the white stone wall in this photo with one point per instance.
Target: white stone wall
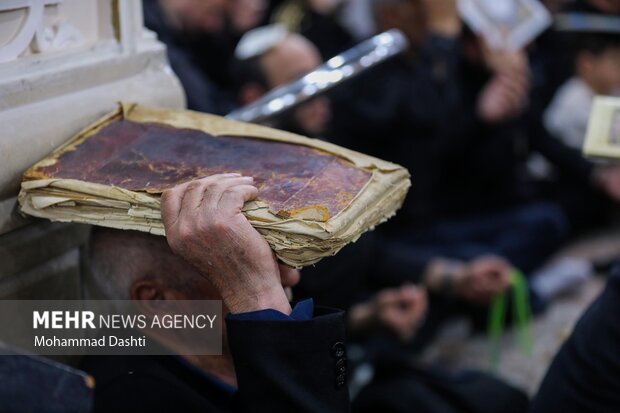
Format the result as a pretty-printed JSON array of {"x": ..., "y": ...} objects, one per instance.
[{"x": 63, "y": 64}]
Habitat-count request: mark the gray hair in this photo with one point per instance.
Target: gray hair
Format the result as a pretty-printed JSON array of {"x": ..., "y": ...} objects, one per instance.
[{"x": 116, "y": 259}]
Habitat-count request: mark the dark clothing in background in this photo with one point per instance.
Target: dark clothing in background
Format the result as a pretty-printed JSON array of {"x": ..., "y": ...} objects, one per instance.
[
  {"x": 581, "y": 6},
  {"x": 465, "y": 173},
  {"x": 200, "y": 61},
  {"x": 552, "y": 58},
  {"x": 324, "y": 30},
  {"x": 399, "y": 386},
  {"x": 379, "y": 261},
  {"x": 326, "y": 33},
  {"x": 551, "y": 64},
  {"x": 585, "y": 374},
  {"x": 421, "y": 114},
  {"x": 525, "y": 235},
  {"x": 281, "y": 366},
  {"x": 37, "y": 384},
  {"x": 346, "y": 278}
]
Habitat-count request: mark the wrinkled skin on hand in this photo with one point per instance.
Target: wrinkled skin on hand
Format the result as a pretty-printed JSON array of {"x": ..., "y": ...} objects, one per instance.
[{"x": 205, "y": 226}]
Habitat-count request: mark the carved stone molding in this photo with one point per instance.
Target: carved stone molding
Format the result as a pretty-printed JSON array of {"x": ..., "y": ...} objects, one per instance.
[
  {"x": 48, "y": 75},
  {"x": 33, "y": 34},
  {"x": 63, "y": 64}
]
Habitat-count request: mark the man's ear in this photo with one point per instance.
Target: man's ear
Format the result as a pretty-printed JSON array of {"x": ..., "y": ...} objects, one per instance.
[
  {"x": 146, "y": 290},
  {"x": 151, "y": 297},
  {"x": 251, "y": 93}
]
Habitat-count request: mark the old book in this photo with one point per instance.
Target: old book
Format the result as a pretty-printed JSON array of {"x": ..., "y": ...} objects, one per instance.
[
  {"x": 603, "y": 135},
  {"x": 314, "y": 197},
  {"x": 505, "y": 25}
]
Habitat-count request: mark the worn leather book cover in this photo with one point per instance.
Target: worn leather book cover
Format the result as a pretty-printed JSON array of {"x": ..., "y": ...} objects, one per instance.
[{"x": 314, "y": 197}]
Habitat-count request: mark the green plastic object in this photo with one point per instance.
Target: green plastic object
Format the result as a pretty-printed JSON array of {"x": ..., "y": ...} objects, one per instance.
[{"x": 521, "y": 319}]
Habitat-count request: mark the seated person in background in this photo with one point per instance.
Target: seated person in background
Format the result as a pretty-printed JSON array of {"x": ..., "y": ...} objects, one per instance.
[
  {"x": 269, "y": 57},
  {"x": 449, "y": 110},
  {"x": 585, "y": 374},
  {"x": 455, "y": 288},
  {"x": 594, "y": 52},
  {"x": 552, "y": 56},
  {"x": 275, "y": 359},
  {"x": 385, "y": 327},
  {"x": 199, "y": 49},
  {"x": 597, "y": 72},
  {"x": 277, "y": 58},
  {"x": 385, "y": 312},
  {"x": 454, "y": 112}
]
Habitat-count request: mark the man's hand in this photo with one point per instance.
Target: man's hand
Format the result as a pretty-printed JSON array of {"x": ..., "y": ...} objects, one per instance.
[
  {"x": 482, "y": 278},
  {"x": 205, "y": 226},
  {"x": 400, "y": 310},
  {"x": 477, "y": 281},
  {"x": 505, "y": 96}
]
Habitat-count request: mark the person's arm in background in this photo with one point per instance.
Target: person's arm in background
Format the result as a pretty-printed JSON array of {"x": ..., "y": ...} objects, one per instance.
[
  {"x": 410, "y": 91},
  {"x": 457, "y": 119},
  {"x": 571, "y": 162},
  {"x": 493, "y": 92},
  {"x": 585, "y": 373},
  {"x": 476, "y": 281},
  {"x": 399, "y": 310},
  {"x": 281, "y": 365},
  {"x": 402, "y": 310}
]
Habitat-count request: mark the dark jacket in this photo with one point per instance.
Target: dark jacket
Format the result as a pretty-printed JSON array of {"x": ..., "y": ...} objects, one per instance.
[
  {"x": 281, "y": 366},
  {"x": 422, "y": 113},
  {"x": 585, "y": 374}
]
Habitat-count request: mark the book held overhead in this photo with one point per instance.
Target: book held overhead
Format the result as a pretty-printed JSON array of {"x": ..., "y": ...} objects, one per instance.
[{"x": 314, "y": 197}]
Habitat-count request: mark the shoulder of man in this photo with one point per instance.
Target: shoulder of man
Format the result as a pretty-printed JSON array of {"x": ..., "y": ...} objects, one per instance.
[{"x": 149, "y": 383}]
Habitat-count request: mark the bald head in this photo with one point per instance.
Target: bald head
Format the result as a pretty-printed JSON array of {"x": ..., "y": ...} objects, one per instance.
[
  {"x": 118, "y": 260},
  {"x": 289, "y": 59}
]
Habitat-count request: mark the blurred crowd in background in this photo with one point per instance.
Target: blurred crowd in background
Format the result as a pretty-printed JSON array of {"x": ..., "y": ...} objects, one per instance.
[{"x": 491, "y": 137}]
